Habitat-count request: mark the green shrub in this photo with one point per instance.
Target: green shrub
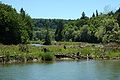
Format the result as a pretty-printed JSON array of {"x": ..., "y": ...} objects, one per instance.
[{"x": 47, "y": 57}]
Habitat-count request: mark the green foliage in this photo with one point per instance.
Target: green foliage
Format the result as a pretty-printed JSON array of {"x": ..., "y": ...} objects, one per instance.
[
  {"x": 83, "y": 16},
  {"x": 20, "y": 53},
  {"x": 58, "y": 33},
  {"x": 84, "y": 34},
  {"x": 69, "y": 32},
  {"x": 47, "y": 38},
  {"x": 102, "y": 28},
  {"x": 47, "y": 56},
  {"x": 113, "y": 54},
  {"x": 14, "y": 28},
  {"x": 118, "y": 18},
  {"x": 53, "y": 24}
]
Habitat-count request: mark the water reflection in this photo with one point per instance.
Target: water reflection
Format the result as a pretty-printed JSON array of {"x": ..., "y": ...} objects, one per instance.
[{"x": 82, "y": 70}]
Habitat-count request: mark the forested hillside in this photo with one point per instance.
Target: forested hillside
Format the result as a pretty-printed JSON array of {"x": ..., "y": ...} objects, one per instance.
[
  {"x": 100, "y": 28},
  {"x": 18, "y": 27},
  {"x": 41, "y": 24}
]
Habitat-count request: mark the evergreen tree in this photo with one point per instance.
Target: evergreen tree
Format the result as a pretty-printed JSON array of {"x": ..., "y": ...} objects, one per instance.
[
  {"x": 93, "y": 15},
  {"x": 83, "y": 15},
  {"x": 22, "y": 12},
  {"x": 97, "y": 13}
]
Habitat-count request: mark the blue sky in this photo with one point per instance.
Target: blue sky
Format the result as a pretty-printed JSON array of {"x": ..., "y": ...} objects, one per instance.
[{"x": 62, "y": 9}]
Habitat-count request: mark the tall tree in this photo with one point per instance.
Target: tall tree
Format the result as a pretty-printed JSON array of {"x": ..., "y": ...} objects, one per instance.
[
  {"x": 47, "y": 37},
  {"x": 28, "y": 23},
  {"x": 93, "y": 15},
  {"x": 97, "y": 13},
  {"x": 83, "y": 15},
  {"x": 13, "y": 29},
  {"x": 58, "y": 32},
  {"x": 22, "y": 12},
  {"x": 118, "y": 19}
]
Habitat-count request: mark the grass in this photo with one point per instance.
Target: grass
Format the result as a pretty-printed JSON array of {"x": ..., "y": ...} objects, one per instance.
[
  {"x": 22, "y": 53},
  {"x": 47, "y": 56}
]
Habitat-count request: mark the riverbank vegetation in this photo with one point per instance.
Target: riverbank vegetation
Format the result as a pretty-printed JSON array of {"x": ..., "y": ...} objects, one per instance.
[{"x": 58, "y": 51}]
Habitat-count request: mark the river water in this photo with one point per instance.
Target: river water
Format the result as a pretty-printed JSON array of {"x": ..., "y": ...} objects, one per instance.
[{"x": 64, "y": 70}]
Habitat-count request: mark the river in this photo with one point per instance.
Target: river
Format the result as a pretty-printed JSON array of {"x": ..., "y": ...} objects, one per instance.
[{"x": 63, "y": 70}]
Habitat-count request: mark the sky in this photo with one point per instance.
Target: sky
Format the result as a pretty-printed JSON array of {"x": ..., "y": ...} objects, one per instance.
[{"x": 62, "y": 9}]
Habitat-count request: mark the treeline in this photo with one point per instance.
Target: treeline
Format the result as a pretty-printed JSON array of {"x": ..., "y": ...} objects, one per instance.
[
  {"x": 52, "y": 23},
  {"x": 15, "y": 27},
  {"x": 40, "y": 26},
  {"x": 100, "y": 28},
  {"x": 18, "y": 27}
]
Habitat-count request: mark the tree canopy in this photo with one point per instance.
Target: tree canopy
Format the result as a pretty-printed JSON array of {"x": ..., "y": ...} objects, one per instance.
[{"x": 15, "y": 27}]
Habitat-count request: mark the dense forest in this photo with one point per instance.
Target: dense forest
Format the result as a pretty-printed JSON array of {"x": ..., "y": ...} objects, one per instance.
[
  {"x": 41, "y": 24},
  {"x": 19, "y": 27},
  {"x": 100, "y": 28}
]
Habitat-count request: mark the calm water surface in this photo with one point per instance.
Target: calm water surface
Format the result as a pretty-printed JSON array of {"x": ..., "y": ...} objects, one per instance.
[
  {"x": 37, "y": 45},
  {"x": 82, "y": 70}
]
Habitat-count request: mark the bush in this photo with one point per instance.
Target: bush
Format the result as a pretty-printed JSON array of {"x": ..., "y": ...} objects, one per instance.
[{"x": 47, "y": 57}]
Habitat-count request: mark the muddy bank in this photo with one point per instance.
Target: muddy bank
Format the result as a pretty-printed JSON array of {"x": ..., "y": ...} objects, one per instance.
[{"x": 57, "y": 57}]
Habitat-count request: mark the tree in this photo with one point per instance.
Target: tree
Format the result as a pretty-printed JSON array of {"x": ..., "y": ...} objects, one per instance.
[
  {"x": 118, "y": 19},
  {"x": 58, "y": 32},
  {"x": 93, "y": 15},
  {"x": 85, "y": 34},
  {"x": 102, "y": 28},
  {"x": 47, "y": 38},
  {"x": 22, "y": 12},
  {"x": 111, "y": 13},
  {"x": 117, "y": 11},
  {"x": 28, "y": 23},
  {"x": 13, "y": 29},
  {"x": 108, "y": 29},
  {"x": 69, "y": 32},
  {"x": 83, "y": 15},
  {"x": 97, "y": 13}
]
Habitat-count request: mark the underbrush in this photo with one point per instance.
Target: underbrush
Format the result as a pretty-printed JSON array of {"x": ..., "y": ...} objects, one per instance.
[{"x": 24, "y": 53}]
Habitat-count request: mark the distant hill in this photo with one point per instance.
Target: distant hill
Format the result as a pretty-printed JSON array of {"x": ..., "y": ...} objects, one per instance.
[{"x": 51, "y": 23}]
